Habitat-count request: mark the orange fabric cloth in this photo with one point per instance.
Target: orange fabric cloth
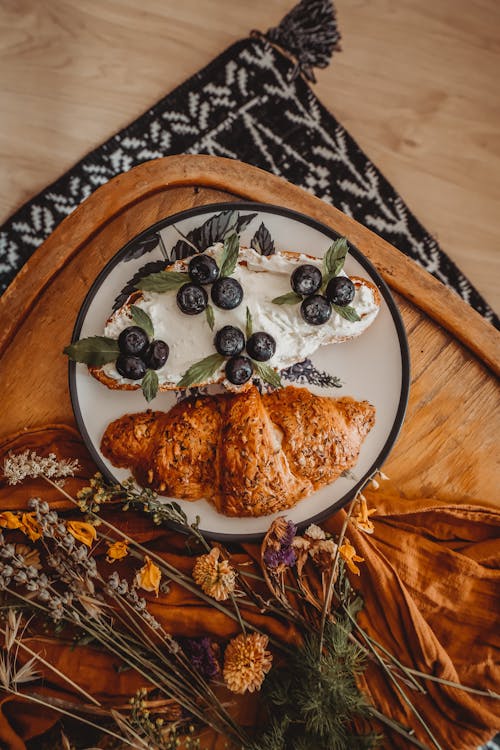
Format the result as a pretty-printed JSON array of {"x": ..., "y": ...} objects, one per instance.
[{"x": 430, "y": 583}]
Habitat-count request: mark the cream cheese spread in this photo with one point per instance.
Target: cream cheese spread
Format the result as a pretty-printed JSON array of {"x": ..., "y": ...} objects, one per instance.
[{"x": 263, "y": 278}]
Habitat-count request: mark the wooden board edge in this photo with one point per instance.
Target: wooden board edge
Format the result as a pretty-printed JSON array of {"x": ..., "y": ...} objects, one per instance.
[{"x": 245, "y": 182}]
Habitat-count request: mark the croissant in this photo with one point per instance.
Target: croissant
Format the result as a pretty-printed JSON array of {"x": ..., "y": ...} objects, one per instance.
[{"x": 247, "y": 453}]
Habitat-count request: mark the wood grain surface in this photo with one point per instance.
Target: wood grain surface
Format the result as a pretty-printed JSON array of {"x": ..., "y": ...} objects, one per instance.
[
  {"x": 447, "y": 447},
  {"x": 416, "y": 84}
]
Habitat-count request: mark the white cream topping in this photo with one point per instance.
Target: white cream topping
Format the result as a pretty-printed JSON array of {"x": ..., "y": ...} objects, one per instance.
[{"x": 263, "y": 278}]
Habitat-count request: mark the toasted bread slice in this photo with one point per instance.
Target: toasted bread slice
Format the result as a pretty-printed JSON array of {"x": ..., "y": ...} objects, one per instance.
[{"x": 367, "y": 300}]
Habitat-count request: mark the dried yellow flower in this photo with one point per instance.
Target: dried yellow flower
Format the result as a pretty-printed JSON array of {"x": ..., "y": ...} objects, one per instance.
[
  {"x": 216, "y": 578},
  {"x": 149, "y": 576},
  {"x": 117, "y": 550},
  {"x": 82, "y": 532},
  {"x": 246, "y": 662},
  {"x": 30, "y": 527},
  {"x": 10, "y": 520},
  {"x": 348, "y": 554},
  {"x": 362, "y": 517}
]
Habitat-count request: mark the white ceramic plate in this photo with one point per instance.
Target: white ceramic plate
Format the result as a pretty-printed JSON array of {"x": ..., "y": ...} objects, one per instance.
[{"x": 373, "y": 367}]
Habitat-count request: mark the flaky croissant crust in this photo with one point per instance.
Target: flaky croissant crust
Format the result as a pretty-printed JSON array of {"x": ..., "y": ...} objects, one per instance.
[{"x": 249, "y": 454}]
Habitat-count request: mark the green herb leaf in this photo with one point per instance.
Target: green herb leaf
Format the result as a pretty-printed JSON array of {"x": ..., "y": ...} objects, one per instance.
[
  {"x": 209, "y": 313},
  {"x": 149, "y": 385},
  {"x": 229, "y": 257},
  {"x": 249, "y": 326},
  {"x": 94, "y": 351},
  {"x": 142, "y": 319},
  {"x": 201, "y": 371},
  {"x": 334, "y": 259},
  {"x": 163, "y": 281},
  {"x": 291, "y": 298},
  {"x": 268, "y": 374},
  {"x": 347, "y": 312}
]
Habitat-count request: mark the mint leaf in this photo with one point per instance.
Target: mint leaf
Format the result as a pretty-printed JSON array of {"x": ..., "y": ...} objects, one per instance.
[
  {"x": 291, "y": 298},
  {"x": 142, "y": 319},
  {"x": 209, "y": 313},
  {"x": 201, "y": 371},
  {"x": 229, "y": 257},
  {"x": 163, "y": 281},
  {"x": 94, "y": 350},
  {"x": 149, "y": 385},
  {"x": 334, "y": 259},
  {"x": 347, "y": 312},
  {"x": 267, "y": 373},
  {"x": 249, "y": 326}
]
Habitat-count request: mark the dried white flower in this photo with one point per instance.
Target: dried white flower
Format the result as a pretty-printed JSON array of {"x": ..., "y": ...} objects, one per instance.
[
  {"x": 20, "y": 466},
  {"x": 315, "y": 532}
]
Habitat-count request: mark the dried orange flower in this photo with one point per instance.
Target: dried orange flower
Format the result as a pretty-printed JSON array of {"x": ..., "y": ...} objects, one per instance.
[
  {"x": 82, "y": 532},
  {"x": 149, "y": 576},
  {"x": 217, "y": 579},
  {"x": 10, "y": 520},
  {"x": 30, "y": 527},
  {"x": 117, "y": 550},
  {"x": 348, "y": 554},
  {"x": 246, "y": 662},
  {"x": 361, "y": 519}
]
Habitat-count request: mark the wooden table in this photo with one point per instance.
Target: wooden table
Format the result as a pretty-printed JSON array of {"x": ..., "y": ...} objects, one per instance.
[
  {"x": 448, "y": 445},
  {"x": 415, "y": 84}
]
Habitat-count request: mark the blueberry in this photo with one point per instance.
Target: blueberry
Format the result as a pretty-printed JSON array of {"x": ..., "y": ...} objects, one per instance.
[
  {"x": 306, "y": 279},
  {"x": 203, "y": 269},
  {"x": 192, "y": 299},
  {"x": 316, "y": 309},
  {"x": 261, "y": 346},
  {"x": 133, "y": 340},
  {"x": 130, "y": 367},
  {"x": 239, "y": 370},
  {"x": 156, "y": 355},
  {"x": 340, "y": 291},
  {"x": 229, "y": 341},
  {"x": 227, "y": 293}
]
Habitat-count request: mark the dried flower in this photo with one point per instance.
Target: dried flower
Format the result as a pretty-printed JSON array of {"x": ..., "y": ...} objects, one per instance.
[
  {"x": 361, "y": 519},
  {"x": 217, "y": 579},
  {"x": 203, "y": 655},
  {"x": 317, "y": 545},
  {"x": 246, "y": 662},
  {"x": 10, "y": 520},
  {"x": 315, "y": 532},
  {"x": 117, "y": 550},
  {"x": 278, "y": 552},
  {"x": 30, "y": 526},
  {"x": 30, "y": 555},
  {"x": 19, "y": 467},
  {"x": 348, "y": 554},
  {"x": 82, "y": 532},
  {"x": 149, "y": 576}
]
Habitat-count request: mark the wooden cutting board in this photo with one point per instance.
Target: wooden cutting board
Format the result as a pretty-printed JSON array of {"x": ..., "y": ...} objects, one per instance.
[{"x": 448, "y": 447}]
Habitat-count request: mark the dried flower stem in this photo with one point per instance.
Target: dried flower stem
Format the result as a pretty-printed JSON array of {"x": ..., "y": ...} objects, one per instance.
[
  {"x": 56, "y": 671},
  {"x": 397, "y": 727},
  {"x": 333, "y": 577},
  {"x": 48, "y": 704},
  {"x": 410, "y": 672}
]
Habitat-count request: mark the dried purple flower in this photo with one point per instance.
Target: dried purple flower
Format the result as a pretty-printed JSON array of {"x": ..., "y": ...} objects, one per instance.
[
  {"x": 279, "y": 553},
  {"x": 284, "y": 557},
  {"x": 202, "y": 653}
]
